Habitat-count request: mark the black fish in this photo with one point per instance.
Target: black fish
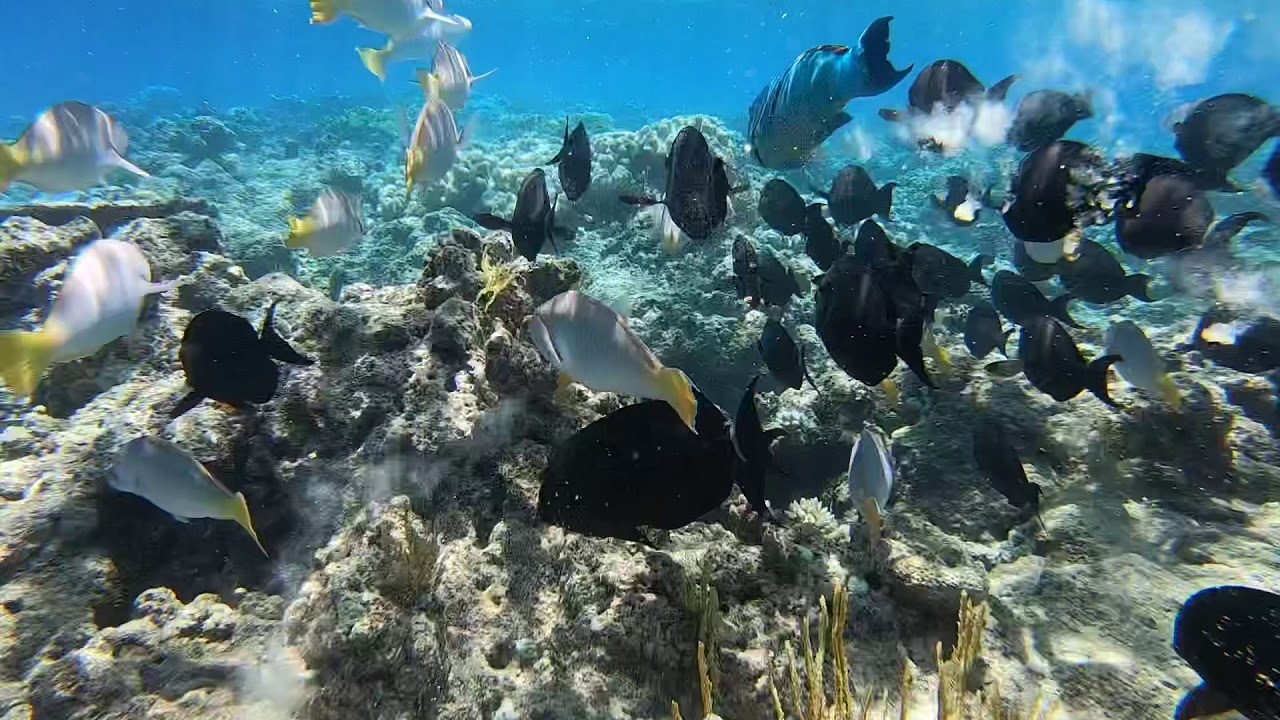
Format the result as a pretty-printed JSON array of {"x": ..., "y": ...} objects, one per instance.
[
  {"x": 533, "y": 222},
  {"x": 781, "y": 207},
  {"x": 854, "y": 197},
  {"x": 1030, "y": 269},
  {"x": 697, "y": 191},
  {"x": 999, "y": 462},
  {"x": 778, "y": 282},
  {"x": 945, "y": 85},
  {"x": 820, "y": 241},
  {"x": 1230, "y": 635},
  {"x": 1256, "y": 349},
  {"x": 983, "y": 332},
  {"x": 938, "y": 272},
  {"x": 639, "y": 466},
  {"x": 1223, "y": 131},
  {"x": 1048, "y": 356},
  {"x": 1054, "y": 187},
  {"x": 1022, "y": 302},
  {"x": 1271, "y": 172},
  {"x": 958, "y": 205},
  {"x": 226, "y": 361},
  {"x": 1143, "y": 167},
  {"x": 873, "y": 248},
  {"x": 746, "y": 270},
  {"x": 1096, "y": 276},
  {"x": 1046, "y": 115},
  {"x": 1172, "y": 216},
  {"x": 574, "y": 159},
  {"x": 785, "y": 359},
  {"x": 753, "y": 450}
]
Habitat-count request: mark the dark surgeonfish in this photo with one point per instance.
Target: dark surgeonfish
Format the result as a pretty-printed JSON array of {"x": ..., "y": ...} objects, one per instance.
[
  {"x": 820, "y": 241},
  {"x": 1141, "y": 168},
  {"x": 226, "y": 361},
  {"x": 1046, "y": 115},
  {"x": 1022, "y": 302},
  {"x": 1172, "y": 215},
  {"x": 797, "y": 111},
  {"x": 782, "y": 208},
  {"x": 1048, "y": 356},
  {"x": 1056, "y": 189},
  {"x": 983, "y": 331},
  {"x": 854, "y": 196},
  {"x": 1271, "y": 171},
  {"x": 957, "y": 203},
  {"x": 639, "y": 466},
  {"x": 999, "y": 462},
  {"x": 784, "y": 357},
  {"x": 1253, "y": 348},
  {"x": 574, "y": 160},
  {"x": 1230, "y": 635},
  {"x": 1097, "y": 277},
  {"x": 778, "y": 281},
  {"x": 938, "y": 272},
  {"x": 1028, "y": 267},
  {"x": 1223, "y": 131},
  {"x": 533, "y": 222},
  {"x": 753, "y": 450},
  {"x": 873, "y": 248},
  {"x": 942, "y": 89},
  {"x": 697, "y": 190},
  {"x": 746, "y": 270}
]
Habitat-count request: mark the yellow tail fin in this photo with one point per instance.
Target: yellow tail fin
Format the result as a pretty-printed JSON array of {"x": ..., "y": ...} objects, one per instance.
[
  {"x": 10, "y": 164},
  {"x": 891, "y": 391},
  {"x": 326, "y": 11},
  {"x": 675, "y": 388},
  {"x": 1170, "y": 393},
  {"x": 875, "y": 521},
  {"x": 375, "y": 61},
  {"x": 240, "y": 513},
  {"x": 299, "y": 229},
  {"x": 430, "y": 84},
  {"x": 24, "y": 356}
]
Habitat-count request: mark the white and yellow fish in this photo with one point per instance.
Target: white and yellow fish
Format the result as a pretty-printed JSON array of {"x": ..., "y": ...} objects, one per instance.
[
  {"x": 421, "y": 44},
  {"x": 99, "y": 301},
  {"x": 394, "y": 18},
  {"x": 1141, "y": 366},
  {"x": 454, "y": 76},
  {"x": 71, "y": 146},
  {"x": 434, "y": 145},
  {"x": 171, "y": 479},
  {"x": 591, "y": 344},
  {"x": 334, "y": 224}
]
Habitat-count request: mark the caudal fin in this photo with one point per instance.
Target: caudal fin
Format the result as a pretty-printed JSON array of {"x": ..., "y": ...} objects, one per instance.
[
  {"x": 299, "y": 229},
  {"x": 1096, "y": 378},
  {"x": 884, "y": 200},
  {"x": 998, "y": 91},
  {"x": 489, "y": 221},
  {"x": 1060, "y": 308},
  {"x": 240, "y": 514},
  {"x": 1139, "y": 287},
  {"x": 879, "y": 75},
  {"x": 24, "y": 356},
  {"x": 276, "y": 346},
  {"x": 1221, "y": 232},
  {"x": 975, "y": 269},
  {"x": 375, "y": 61},
  {"x": 674, "y": 387}
]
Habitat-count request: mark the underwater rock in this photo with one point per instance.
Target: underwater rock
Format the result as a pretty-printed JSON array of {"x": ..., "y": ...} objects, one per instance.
[{"x": 111, "y": 214}]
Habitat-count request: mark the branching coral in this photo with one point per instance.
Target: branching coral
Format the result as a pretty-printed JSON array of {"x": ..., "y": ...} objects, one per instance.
[
  {"x": 497, "y": 277},
  {"x": 703, "y": 602}
]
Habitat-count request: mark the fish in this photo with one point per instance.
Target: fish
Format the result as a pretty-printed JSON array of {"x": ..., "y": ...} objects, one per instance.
[
  {"x": 1096, "y": 276},
  {"x": 334, "y": 224},
  {"x": 1028, "y": 267},
  {"x": 697, "y": 186},
  {"x": 998, "y": 460},
  {"x": 1056, "y": 188},
  {"x": 820, "y": 241},
  {"x": 783, "y": 356},
  {"x": 798, "y": 110},
  {"x": 99, "y": 301},
  {"x": 71, "y": 146},
  {"x": 746, "y": 270},
  {"x": 753, "y": 450},
  {"x": 1021, "y": 302},
  {"x": 873, "y": 248},
  {"x": 782, "y": 208},
  {"x": 226, "y": 361},
  {"x": 1253, "y": 348},
  {"x": 778, "y": 281},
  {"x": 454, "y": 78},
  {"x": 983, "y": 332},
  {"x": 1140, "y": 168},
  {"x": 854, "y": 196},
  {"x": 421, "y": 43},
  {"x": 1172, "y": 215},
  {"x": 434, "y": 145},
  {"x": 946, "y": 105},
  {"x": 1044, "y": 116},
  {"x": 386, "y": 17},
  {"x": 574, "y": 161},
  {"x": 591, "y": 344},
  {"x": 533, "y": 222},
  {"x": 1048, "y": 356},
  {"x": 1271, "y": 172},
  {"x": 871, "y": 478},
  {"x": 639, "y": 466},
  {"x": 959, "y": 205},
  {"x": 1230, "y": 635},
  {"x": 938, "y": 272},
  {"x": 1221, "y": 132},
  {"x": 1142, "y": 367},
  {"x": 168, "y": 477}
]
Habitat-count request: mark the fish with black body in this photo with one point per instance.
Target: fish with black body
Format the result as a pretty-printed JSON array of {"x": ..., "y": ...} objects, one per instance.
[
  {"x": 574, "y": 161},
  {"x": 1057, "y": 188},
  {"x": 820, "y": 241},
  {"x": 999, "y": 462},
  {"x": 798, "y": 110},
  {"x": 1048, "y": 356},
  {"x": 854, "y": 196},
  {"x": 746, "y": 270},
  {"x": 957, "y": 203},
  {"x": 1253, "y": 349},
  {"x": 782, "y": 208},
  {"x": 753, "y": 450},
  {"x": 1139, "y": 169},
  {"x": 983, "y": 331},
  {"x": 1028, "y": 267},
  {"x": 1271, "y": 172},
  {"x": 946, "y": 85},
  {"x": 1221, "y": 132},
  {"x": 1021, "y": 302},
  {"x": 639, "y": 466},
  {"x": 785, "y": 359},
  {"x": 1172, "y": 216},
  {"x": 1230, "y": 635},
  {"x": 938, "y": 272},
  {"x": 1046, "y": 115},
  {"x": 778, "y": 281},
  {"x": 873, "y": 248},
  {"x": 226, "y": 361},
  {"x": 534, "y": 221},
  {"x": 1097, "y": 277},
  {"x": 697, "y": 186}
]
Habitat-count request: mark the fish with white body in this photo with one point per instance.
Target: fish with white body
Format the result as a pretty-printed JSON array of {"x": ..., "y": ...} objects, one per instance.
[
  {"x": 1141, "y": 366},
  {"x": 334, "y": 224},
  {"x": 871, "y": 479},
  {"x": 591, "y": 344},
  {"x": 434, "y": 145},
  {"x": 454, "y": 76},
  {"x": 394, "y": 18},
  {"x": 99, "y": 301},
  {"x": 171, "y": 479},
  {"x": 71, "y": 146},
  {"x": 420, "y": 44}
]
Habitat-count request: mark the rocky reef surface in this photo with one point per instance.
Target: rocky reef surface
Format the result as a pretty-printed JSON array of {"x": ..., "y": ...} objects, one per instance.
[{"x": 394, "y": 482}]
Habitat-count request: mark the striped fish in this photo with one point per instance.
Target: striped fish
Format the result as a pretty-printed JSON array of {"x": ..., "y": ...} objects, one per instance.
[{"x": 454, "y": 74}]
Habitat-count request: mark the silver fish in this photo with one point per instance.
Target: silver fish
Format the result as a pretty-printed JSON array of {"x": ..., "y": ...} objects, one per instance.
[
  {"x": 71, "y": 146},
  {"x": 433, "y": 148},
  {"x": 454, "y": 76},
  {"x": 335, "y": 223}
]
